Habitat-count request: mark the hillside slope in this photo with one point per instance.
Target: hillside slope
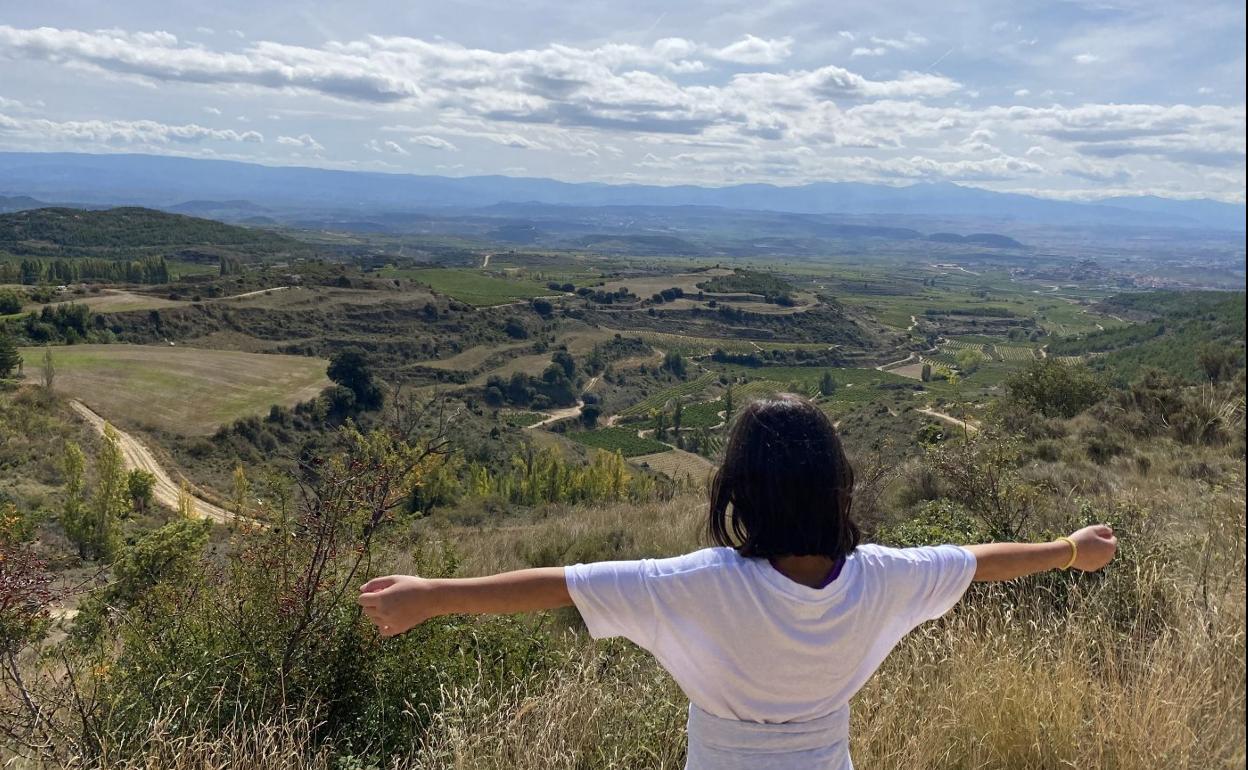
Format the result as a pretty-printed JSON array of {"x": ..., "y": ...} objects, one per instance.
[{"x": 67, "y": 232}]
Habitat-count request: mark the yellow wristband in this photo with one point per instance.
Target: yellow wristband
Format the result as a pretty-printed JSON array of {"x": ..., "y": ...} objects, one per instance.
[{"x": 1074, "y": 552}]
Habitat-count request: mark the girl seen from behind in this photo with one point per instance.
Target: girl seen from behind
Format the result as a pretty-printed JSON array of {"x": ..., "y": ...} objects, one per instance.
[{"x": 773, "y": 630}]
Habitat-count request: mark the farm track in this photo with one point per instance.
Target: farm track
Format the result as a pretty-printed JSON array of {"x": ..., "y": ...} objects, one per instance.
[
  {"x": 250, "y": 293},
  {"x": 138, "y": 456},
  {"x": 969, "y": 427}
]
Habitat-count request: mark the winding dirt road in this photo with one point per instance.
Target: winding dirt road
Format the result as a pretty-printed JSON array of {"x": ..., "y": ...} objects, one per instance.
[{"x": 136, "y": 455}]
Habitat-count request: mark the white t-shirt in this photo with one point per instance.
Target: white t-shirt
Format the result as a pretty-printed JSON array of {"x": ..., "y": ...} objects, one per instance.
[{"x": 749, "y": 645}]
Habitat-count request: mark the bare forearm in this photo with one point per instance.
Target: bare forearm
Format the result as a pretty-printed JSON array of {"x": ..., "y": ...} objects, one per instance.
[
  {"x": 1006, "y": 561},
  {"x": 526, "y": 590}
]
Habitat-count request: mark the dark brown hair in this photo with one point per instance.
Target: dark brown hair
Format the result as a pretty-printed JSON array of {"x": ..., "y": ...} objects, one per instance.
[{"x": 785, "y": 486}]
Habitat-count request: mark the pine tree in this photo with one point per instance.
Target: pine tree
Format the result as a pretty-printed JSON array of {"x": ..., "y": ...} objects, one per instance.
[
  {"x": 728, "y": 404},
  {"x": 10, "y": 359}
]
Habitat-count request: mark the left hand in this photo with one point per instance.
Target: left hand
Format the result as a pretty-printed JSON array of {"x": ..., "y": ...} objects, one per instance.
[{"x": 397, "y": 603}]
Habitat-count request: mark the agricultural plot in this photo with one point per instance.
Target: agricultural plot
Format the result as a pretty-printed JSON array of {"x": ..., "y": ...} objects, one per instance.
[
  {"x": 706, "y": 414},
  {"x": 1014, "y": 353},
  {"x": 657, "y": 400},
  {"x": 179, "y": 390},
  {"x": 676, "y": 464},
  {"x": 472, "y": 286},
  {"x": 809, "y": 376},
  {"x": 757, "y": 389},
  {"x": 700, "y": 346},
  {"x": 622, "y": 440},
  {"x": 109, "y": 301},
  {"x": 910, "y": 371}
]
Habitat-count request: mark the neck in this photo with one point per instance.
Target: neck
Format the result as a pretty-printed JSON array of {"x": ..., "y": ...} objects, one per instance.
[{"x": 809, "y": 571}]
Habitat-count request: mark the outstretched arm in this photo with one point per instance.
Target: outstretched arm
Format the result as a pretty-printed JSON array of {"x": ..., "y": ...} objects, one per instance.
[
  {"x": 398, "y": 603},
  {"x": 1092, "y": 549}
]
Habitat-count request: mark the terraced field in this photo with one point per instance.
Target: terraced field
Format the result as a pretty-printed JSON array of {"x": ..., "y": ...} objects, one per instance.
[
  {"x": 1014, "y": 353},
  {"x": 700, "y": 346},
  {"x": 622, "y": 440},
  {"x": 677, "y": 464},
  {"x": 472, "y": 286},
  {"x": 657, "y": 400}
]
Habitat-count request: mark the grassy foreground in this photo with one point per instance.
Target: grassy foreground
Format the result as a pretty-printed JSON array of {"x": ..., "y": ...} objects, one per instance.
[{"x": 1142, "y": 669}]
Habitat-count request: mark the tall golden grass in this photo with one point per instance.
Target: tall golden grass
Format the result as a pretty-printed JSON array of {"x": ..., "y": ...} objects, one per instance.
[{"x": 1143, "y": 668}]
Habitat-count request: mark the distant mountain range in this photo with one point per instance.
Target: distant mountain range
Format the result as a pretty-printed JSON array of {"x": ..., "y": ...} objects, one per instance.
[{"x": 209, "y": 187}]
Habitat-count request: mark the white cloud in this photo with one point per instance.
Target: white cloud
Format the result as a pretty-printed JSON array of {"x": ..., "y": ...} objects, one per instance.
[
  {"x": 436, "y": 142},
  {"x": 123, "y": 132},
  {"x": 754, "y": 110},
  {"x": 386, "y": 147},
  {"x": 882, "y": 45},
  {"x": 756, "y": 50},
  {"x": 303, "y": 141}
]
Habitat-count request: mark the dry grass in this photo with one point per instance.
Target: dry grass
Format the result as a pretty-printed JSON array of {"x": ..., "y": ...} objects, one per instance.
[
  {"x": 1142, "y": 669},
  {"x": 176, "y": 389}
]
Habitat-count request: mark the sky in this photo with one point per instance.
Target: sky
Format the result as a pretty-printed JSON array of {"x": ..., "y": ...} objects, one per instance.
[{"x": 1076, "y": 100}]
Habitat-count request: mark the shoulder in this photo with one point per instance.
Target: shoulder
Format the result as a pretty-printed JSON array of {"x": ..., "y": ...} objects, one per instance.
[
  {"x": 905, "y": 559},
  {"x": 707, "y": 560}
]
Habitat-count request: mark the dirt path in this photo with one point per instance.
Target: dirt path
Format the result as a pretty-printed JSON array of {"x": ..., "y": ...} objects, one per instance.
[
  {"x": 138, "y": 456},
  {"x": 914, "y": 324},
  {"x": 486, "y": 262},
  {"x": 556, "y": 415},
  {"x": 949, "y": 419},
  {"x": 250, "y": 293},
  {"x": 894, "y": 364}
]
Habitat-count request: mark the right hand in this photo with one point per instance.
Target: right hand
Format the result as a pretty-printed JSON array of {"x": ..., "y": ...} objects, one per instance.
[
  {"x": 397, "y": 603},
  {"x": 1097, "y": 546}
]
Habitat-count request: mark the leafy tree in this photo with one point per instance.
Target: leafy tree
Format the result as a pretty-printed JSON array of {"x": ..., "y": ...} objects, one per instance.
[
  {"x": 350, "y": 369},
  {"x": 10, "y": 302},
  {"x": 95, "y": 531},
  {"x": 10, "y": 359},
  {"x": 169, "y": 557},
  {"x": 240, "y": 493},
  {"x": 678, "y": 416},
  {"x": 73, "y": 515},
  {"x": 590, "y": 414},
  {"x": 1218, "y": 362},
  {"x": 728, "y": 404},
  {"x": 969, "y": 360},
  {"x": 1055, "y": 389},
  {"x": 674, "y": 363},
  {"x": 566, "y": 362},
  {"x": 827, "y": 384},
  {"x": 542, "y": 307},
  {"x": 139, "y": 485},
  {"x": 186, "y": 503},
  {"x": 925, "y": 374},
  {"x": 515, "y": 329}
]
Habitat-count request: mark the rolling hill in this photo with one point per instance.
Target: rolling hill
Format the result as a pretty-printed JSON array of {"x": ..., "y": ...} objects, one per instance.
[
  {"x": 168, "y": 181},
  {"x": 66, "y": 232}
]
